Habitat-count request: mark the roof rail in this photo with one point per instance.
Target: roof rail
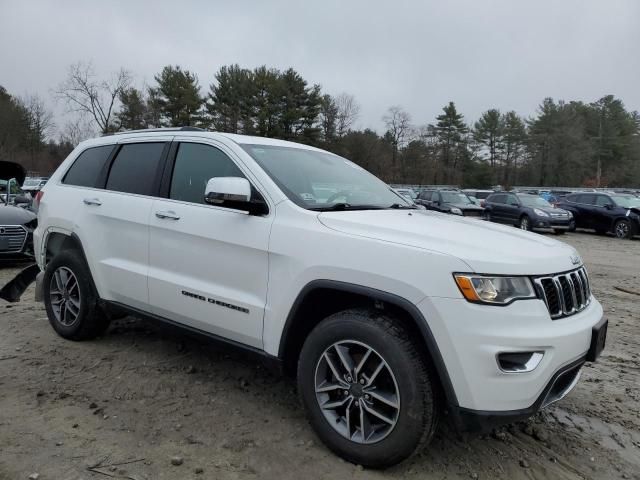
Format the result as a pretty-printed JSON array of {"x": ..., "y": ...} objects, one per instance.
[{"x": 164, "y": 129}]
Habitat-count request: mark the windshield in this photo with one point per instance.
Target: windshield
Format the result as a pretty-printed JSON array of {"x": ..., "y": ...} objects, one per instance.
[
  {"x": 321, "y": 181},
  {"x": 534, "y": 201},
  {"x": 455, "y": 197},
  {"x": 626, "y": 201}
]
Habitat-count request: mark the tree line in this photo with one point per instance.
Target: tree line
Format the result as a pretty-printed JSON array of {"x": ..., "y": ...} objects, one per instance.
[{"x": 570, "y": 143}]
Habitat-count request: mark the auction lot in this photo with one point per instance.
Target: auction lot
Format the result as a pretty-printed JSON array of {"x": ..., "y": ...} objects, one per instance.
[{"x": 146, "y": 403}]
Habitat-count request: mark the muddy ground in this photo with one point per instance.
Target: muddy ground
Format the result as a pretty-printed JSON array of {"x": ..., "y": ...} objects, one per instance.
[{"x": 124, "y": 405}]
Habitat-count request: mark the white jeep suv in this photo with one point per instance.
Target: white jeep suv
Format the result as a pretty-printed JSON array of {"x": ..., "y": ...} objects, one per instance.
[{"x": 387, "y": 315}]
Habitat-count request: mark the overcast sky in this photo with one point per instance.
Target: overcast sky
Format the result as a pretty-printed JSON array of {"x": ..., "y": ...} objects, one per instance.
[{"x": 508, "y": 54}]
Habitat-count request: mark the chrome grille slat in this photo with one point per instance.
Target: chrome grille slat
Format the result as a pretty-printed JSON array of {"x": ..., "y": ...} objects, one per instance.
[
  {"x": 16, "y": 236},
  {"x": 564, "y": 293}
]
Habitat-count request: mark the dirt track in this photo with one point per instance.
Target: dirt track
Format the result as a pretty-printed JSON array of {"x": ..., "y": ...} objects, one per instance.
[{"x": 142, "y": 395}]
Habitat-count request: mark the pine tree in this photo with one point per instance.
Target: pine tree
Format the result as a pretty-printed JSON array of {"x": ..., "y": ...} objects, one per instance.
[{"x": 178, "y": 96}]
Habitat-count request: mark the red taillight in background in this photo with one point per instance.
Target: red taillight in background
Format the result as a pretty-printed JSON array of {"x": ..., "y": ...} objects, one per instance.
[{"x": 38, "y": 198}]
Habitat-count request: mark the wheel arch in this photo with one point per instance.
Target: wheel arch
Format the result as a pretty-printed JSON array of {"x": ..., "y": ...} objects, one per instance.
[
  {"x": 320, "y": 298},
  {"x": 57, "y": 241}
]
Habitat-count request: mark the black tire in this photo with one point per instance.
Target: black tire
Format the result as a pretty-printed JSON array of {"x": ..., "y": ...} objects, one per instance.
[
  {"x": 525, "y": 223},
  {"x": 90, "y": 321},
  {"x": 418, "y": 411},
  {"x": 487, "y": 215},
  {"x": 559, "y": 232},
  {"x": 623, "y": 229}
]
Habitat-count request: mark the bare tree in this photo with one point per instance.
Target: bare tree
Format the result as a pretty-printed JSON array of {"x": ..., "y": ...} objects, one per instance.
[
  {"x": 84, "y": 93},
  {"x": 40, "y": 118},
  {"x": 398, "y": 123},
  {"x": 348, "y": 112},
  {"x": 76, "y": 131}
]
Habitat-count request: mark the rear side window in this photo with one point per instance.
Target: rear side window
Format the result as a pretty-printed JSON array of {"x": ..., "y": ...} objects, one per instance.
[
  {"x": 425, "y": 195},
  {"x": 587, "y": 199},
  {"x": 195, "y": 165},
  {"x": 87, "y": 167},
  {"x": 496, "y": 198},
  {"x": 135, "y": 167}
]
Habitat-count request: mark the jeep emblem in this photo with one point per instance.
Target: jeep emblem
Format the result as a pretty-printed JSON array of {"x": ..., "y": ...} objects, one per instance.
[{"x": 575, "y": 259}]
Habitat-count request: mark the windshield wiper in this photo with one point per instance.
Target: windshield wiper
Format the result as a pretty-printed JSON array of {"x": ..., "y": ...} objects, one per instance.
[
  {"x": 337, "y": 207},
  {"x": 399, "y": 206}
]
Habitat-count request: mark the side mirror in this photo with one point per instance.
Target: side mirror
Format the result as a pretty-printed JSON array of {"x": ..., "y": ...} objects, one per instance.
[
  {"x": 608, "y": 206},
  {"x": 232, "y": 192}
]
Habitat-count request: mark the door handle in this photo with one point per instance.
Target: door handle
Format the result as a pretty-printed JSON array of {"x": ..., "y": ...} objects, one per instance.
[
  {"x": 92, "y": 201},
  {"x": 169, "y": 215}
]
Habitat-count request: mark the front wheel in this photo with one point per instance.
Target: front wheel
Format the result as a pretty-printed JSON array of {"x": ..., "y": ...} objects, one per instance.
[
  {"x": 623, "y": 229},
  {"x": 525, "y": 223},
  {"x": 366, "y": 388},
  {"x": 70, "y": 299}
]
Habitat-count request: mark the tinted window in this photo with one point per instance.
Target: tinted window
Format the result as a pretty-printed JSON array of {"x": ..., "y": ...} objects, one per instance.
[
  {"x": 425, "y": 195},
  {"x": 602, "y": 200},
  {"x": 87, "y": 167},
  {"x": 195, "y": 165},
  {"x": 511, "y": 200},
  {"x": 134, "y": 168},
  {"x": 496, "y": 198},
  {"x": 587, "y": 199}
]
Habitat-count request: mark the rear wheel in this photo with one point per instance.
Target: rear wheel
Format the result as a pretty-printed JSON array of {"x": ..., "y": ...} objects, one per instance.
[
  {"x": 366, "y": 389},
  {"x": 623, "y": 229},
  {"x": 525, "y": 223},
  {"x": 487, "y": 215},
  {"x": 70, "y": 299}
]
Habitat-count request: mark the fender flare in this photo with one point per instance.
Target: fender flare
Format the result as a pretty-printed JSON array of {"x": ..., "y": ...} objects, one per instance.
[{"x": 418, "y": 319}]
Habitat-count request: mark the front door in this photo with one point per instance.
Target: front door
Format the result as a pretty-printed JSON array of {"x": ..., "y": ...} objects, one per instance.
[{"x": 208, "y": 265}]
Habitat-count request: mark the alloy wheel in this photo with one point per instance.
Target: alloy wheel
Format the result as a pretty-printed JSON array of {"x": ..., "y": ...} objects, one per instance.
[
  {"x": 524, "y": 223},
  {"x": 357, "y": 392},
  {"x": 64, "y": 294},
  {"x": 622, "y": 229}
]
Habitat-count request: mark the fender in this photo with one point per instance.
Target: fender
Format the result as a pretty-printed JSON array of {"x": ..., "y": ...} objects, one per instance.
[{"x": 386, "y": 297}]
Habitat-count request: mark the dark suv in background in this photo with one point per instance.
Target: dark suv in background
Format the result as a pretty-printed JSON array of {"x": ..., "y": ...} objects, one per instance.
[
  {"x": 602, "y": 212},
  {"x": 528, "y": 212},
  {"x": 449, "y": 201}
]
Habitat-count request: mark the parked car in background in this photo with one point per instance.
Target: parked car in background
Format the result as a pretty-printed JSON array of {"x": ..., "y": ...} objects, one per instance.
[
  {"x": 16, "y": 223},
  {"x": 34, "y": 184},
  {"x": 527, "y": 211},
  {"x": 407, "y": 193},
  {"x": 480, "y": 195},
  {"x": 617, "y": 213},
  {"x": 449, "y": 201}
]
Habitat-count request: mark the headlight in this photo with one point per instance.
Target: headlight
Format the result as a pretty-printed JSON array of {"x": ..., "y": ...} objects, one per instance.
[
  {"x": 456, "y": 211},
  {"x": 32, "y": 224},
  {"x": 494, "y": 290},
  {"x": 570, "y": 214},
  {"x": 541, "y": 213}
]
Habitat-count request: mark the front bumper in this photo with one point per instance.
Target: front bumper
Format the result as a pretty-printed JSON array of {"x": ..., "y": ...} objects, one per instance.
[
  {"x": 470, "y": 337},
  {"x": 555, "y": 223}
]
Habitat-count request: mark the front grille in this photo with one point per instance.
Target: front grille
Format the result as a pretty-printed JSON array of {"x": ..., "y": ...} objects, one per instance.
[
  {"x": 12, "y": 238},
  {"x": 472, "y": 213},
  {"x": 565, "y": 293}
]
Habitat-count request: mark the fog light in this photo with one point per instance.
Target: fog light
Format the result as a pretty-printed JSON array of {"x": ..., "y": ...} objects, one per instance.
[{"x": 519, "y": 362}]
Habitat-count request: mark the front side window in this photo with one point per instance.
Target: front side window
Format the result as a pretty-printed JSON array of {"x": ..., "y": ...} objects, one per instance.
[
  {"x": 602, "y": 200},
  {"x": 195, "y": 165},
  {"x": 302, "y": 173},
  {"x": 135, "y": 167},
  {"x": 87, "y": 167}
]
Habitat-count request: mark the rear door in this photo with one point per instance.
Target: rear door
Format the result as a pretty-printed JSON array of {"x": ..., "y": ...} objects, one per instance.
[
  {"x": 586, "y": 206},
  {"x": 113, "y": 220},
  {"x": 208, "y": 264},
  {"x": 603, "y": 212}
]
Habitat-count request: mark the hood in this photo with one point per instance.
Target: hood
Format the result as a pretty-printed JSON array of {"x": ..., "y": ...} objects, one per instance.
[
  {"x": 465, "y": 206},
  {"x": 9, "y": 170},
  {"x": 12, "y": 215},
  {"x": 486, "y": 247}
]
